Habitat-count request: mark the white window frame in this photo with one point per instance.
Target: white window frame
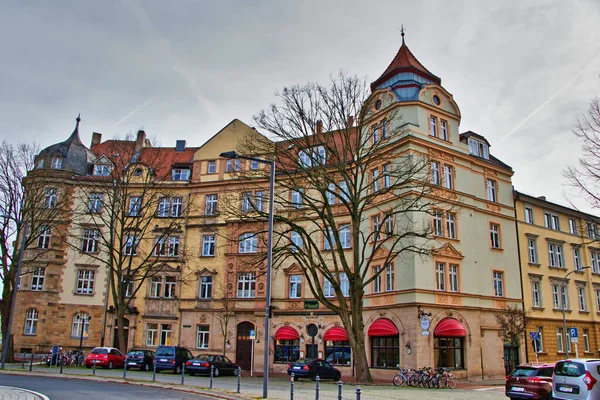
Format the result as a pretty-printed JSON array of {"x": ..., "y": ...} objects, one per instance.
[
  {"x": 529, "y": 215},
  {"x": 581, "y": 297},
  {"x": 259, "y": 200},
  {"x": 328, "y": 289},
  {"x": 151, "y": 334},
  {"x": 130, "y": 245},
  {"x": 44, "y": 237},
  {"x": 344, "y": 194},
  {"x": 85, "y": 281},
  {"x": 202, "y": 336},
  {"x": 344, "y": 284},
  {"x": 387, "y": 179},
  {"x": 164, "y": 205},
  {"x": 180, "y": 174},
  {"x": 246, "y": 288},
  {"x": 295, "y": 282},
  {"x": 296, "y": 198},
  {"x": 170, "y": 285},
  {"x": 440, "y": 276},
  {"x": 560, "y": 346},
  {"x": 135, "y": 206},
  {"x": 498, "y": 283},
  {"x": 389, "y": 278},
  {"x": 577, "y": 259},
  {"x": 211, "y": 203},
  {"x": 453, "y": 278},
  {"x": 81, "y": 320},
  {"x": 555, "y": 253},
  {"x": 573, "y": 226},
  {"x": 297, "y": 241},
  {"x": 247, "y": 202},
  {"x": 586, "y": 340},
  {"x": 345, "y": 236},
  {"x": 211, "y": 167},
  {"x": 492, "y": 190},
  {"x": 208, "y": 245},
  {"x": 330, "y": 193},
  {"x": 176, "y": 206},
  {"x": 375, "y": 179},
  {"x": 102, "y": 170},
  {"x": 95, "y": 203},
  {"x": 37, "y": 278},
  {"x": 495, "y": 236},
  {"x": 376, "y": 280},
  {"x": 448, "y": 176},
  {"x": 57, "y": 163},
  {"x": 438, "y": 223},
  {"x": 532, "y": 250},
  {"x": 206, "y": 283},
  {"x": 451, "y": 225},
  {"x": 166, "y": 333},
  {"x": 536, "y": 293},
  {"x": 51, "y": 198},
  {"x": 595, "y": 261},
  {"x": 435, "y": 173},
  {"x": 248, "y": 243},
  {"x": 443, "y": 129},
  {"x": 31, "y": 320},
  {"x": 156, "y": 283},
  {"x": 433, "y": 126},
  {"x": 90, "y": 240}
]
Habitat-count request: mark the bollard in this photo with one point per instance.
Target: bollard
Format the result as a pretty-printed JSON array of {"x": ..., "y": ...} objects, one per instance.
[
  {"x": 61, "y": 366},
  {"x": 212, "y": 370},
  {"x": 317, "y": 379},
  {"x": 182, "y": 372},
  {"x": 23, "y": 361},
  {"x": 239, "y": 379},
  {"x": 31, "y": 363},
  {"x": 94, "y": 369},
  {"x": 340, "y": 383},
  {"x": 125, "y": 368},
  {"x": 154, "y": 371},
  {"x": 292, "y": 386},
  {"x": 357, "y": 393}
]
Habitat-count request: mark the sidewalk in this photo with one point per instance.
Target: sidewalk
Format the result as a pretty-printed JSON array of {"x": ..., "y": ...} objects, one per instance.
[{"x": 12, "y": 393}]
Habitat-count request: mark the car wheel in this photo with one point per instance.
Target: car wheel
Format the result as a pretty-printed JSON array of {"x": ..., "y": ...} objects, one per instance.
[
  {"x": 550, "y": 396},
  {"x": 177, "y": 370},
  {"x": 146, "y": 367},
  {"x": 216, "y": 372},
  {"x": 110, "y": 365}
]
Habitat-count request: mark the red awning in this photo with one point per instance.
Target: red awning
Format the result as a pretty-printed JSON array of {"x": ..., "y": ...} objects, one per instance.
[
  {"x": 286, "y": 333},
  {"x": 449, "y": 327},
  {"x": 335, "y": 334},
  {"x": 383, "y": 327}
]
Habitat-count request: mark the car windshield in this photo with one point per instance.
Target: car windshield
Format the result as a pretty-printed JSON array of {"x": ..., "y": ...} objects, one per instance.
[
  {"x": 100, "y": 351},
  {"x": 165, "y": 351},
  {"x": 135, "y": 353},
  {"x": 205, "y": 357},
  {"x": 569, "y": 368},
  {"x": 520, "y": 371}
]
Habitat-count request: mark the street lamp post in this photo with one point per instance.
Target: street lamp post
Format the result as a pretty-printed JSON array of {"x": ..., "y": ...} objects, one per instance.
[
  {"x": 233, "y": 154},
  {"x": 14, "y": 294},
  {"x": 83, "y": 320},
  {"x": 563, "y": 302}
]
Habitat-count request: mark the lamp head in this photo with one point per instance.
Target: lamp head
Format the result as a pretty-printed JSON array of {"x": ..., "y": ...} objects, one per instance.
[{"x": 229, "y": 154}]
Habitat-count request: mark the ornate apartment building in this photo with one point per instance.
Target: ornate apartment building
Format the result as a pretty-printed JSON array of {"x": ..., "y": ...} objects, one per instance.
[
  {"x": 436, "y": 310},
  {"x": 560, "y": 266}
]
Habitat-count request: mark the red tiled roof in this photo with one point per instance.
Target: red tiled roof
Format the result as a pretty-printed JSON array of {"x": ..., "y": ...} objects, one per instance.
[{"x": 405, "y": 59}]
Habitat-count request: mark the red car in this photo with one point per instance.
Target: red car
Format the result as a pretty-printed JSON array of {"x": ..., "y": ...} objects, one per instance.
[
  {"x": 530, "y": 381},
  {"x": 105, "y": 357}
]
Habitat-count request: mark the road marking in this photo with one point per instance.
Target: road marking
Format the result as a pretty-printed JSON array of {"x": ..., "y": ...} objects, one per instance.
[{"x": 42, "y": 396}]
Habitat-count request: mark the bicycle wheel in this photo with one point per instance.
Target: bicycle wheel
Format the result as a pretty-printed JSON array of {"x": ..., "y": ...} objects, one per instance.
[
  {"x": 441, "y": 382},
  {"x": 413, "y": 381},
  {"x": 399, "y": 380},
  {"x": 451, "y": 382}
]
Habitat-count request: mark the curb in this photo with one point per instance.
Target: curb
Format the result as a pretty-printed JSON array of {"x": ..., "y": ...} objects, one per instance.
[{"x": 181, "y": 388}]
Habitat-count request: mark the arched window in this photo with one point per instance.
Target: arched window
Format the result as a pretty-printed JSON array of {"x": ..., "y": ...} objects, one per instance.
[
  {"x": 31, "y": 318},
  {"x": 448, "y": 344},
  {"x": 287, "y": 345},
  {"x": 80, "y": 319}
]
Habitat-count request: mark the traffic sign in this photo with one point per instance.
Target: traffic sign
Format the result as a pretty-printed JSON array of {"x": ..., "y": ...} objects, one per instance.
[
  {"x": 534, "y": 335},
  {"x": 252, "y": 336},
  {"x": 537, "y": 345},
  {"x": 574, "y": 335}
]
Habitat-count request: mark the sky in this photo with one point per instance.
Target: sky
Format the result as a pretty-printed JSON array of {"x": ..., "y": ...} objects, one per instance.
[{"x": 522, "y": 72}]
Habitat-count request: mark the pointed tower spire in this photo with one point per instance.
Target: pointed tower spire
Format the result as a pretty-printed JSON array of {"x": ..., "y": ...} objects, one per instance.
[
  {"x": 78, "y": 119},
  {"x": 402, "y": 34}
]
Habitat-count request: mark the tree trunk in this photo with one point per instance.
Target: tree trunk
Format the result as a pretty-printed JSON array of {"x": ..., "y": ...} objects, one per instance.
[
  {"x": 5, "y": 311},
  {"x": 121, "y": 332},
  {"x": 357, "y": 342}
]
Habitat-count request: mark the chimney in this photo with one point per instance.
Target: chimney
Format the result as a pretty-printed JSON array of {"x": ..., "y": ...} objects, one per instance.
[
  {"x": 319, "y": 127},
  {"x": 180, "y": 145},
  {"x": 350, "y": 121},
  {"x": 96, "y": 139},
  {"x": 543, "y": 198},
  {"x": 140, "y": 141}
]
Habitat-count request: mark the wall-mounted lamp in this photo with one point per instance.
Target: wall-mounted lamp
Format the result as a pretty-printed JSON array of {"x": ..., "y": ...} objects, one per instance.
[
  {"x": 421, "y": 313},
  {"x": 228, "y": 344},
  {"x": 408, "y": 349},
  {"x": 302, "y": 338}
]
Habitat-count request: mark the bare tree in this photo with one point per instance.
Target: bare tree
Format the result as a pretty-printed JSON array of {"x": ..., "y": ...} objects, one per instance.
[
  {"x": 33, "y": 199},
  {"x": 224, "y": 311},
  {"x": 513, "y": 321},
  {"x": 131, "y": 221},
  {"x": 350, "y": 194}
]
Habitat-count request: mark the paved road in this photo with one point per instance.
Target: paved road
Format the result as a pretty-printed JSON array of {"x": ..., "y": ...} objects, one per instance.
[
  {"x": 74, "y": 389},
  {"x": 279, "y": 388}
]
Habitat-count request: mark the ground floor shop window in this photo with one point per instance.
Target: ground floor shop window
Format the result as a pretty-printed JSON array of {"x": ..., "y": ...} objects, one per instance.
[
  {"x": 385, "y": 352},
  {"x": 338, "y": 352},
  {"x": 448, "y": 352},
  {"x": 287, "y": 351}
]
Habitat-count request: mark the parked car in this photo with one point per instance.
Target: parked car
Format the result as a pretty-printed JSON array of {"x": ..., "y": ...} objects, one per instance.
[
  {"x": 105, "y": 357},
  {"x": 142, "y": 359},
  {"x": 201, "y": 365},
  {"x": 312, "y": 368},
  {"x": 530, "y": 381},
  {"x": 576, "y": 379},
  {"x": 171, "y": 358}
]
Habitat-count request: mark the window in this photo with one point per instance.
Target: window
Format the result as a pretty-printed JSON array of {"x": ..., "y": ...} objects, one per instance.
[
  {"x": 51, "y": 197},
  {"x": 328, "y": 239},
  {"x": 57, "y": 163},
  {"x": 180, "y": 174},
  {"x": 375, "y": 134},
  {"x": 344, "y": 284},
  {"x": 572, "y": 226},
  {"x": 440, "y": 276},
  {"x": 167, "y": 246},
  {"x": 170, "y": 285},
  {"x": 228, "y": 165},
  {"x": 202, "y": 337},
  {"x": 376, "y": 224},
  {"x": 577, "y": 259},
  {"x": 163, "y": 207},
  {"x": 152, "y": 335},
  {"x": 384, "y": 129},
  {"x": 295, "y": 286},
  {"x": 338, "y": 352},
  {"x": 208, "y": 245},
  {"x": 211, "y": 169},
  {"x": 448, "y": 352},
  {"x": 210, "y": 206},
  {"x": 387, "y": 179},
  {"x": 176, "y": 206},
  {"x": 131, "y": 243},
  {"x": 296, "y": 240},
  {"x": 330, "y": 193},
  {"x": 536, "y": 295},
  {"x": 102, "y": 170},
  {"x": 166, "y": 334},
  {"x": 433, "y": 126},
  {"x": 344, "y": 194},
  {"x": 451, "y": 225},
  {"x": 205, "y": 287},
  {"x": 297, "y": 198},
  {"x": 592, "y": 230},
  {"x": 253, "y": 164},
  {"x": 246, "y": 285},
  {"x": 375, "y": 180},
  {"x": 581, "y": 298},
  {"x": 595, "y": 259},
  {"x": 37, "y": 278},
  {"x": 389, "y": 278},
  {"x": 443, "y": 129},
  {"x": 532, "y": 251},
  {"x": 453, "y": 278},
  {"x": 560, "y": 347},
  {"x": 81, "y": 320},
  {"x": 40, "y": 163},
  {"x": 312, "y": 157},
  {"x": 248, "y": 243},
  {"x": 95, "y": 204},
  {"x": 155, "y": 286},
  {"x": 435, "y": 173},
  {"x": 498, "y": 284},
  {"x": 551, "y": 221},
  {"x": 559, "y": 295},
  {"x": 31, "y": 318},
  {"x": 130, "y": 286},
  {"x": 44, "y": 237},
  {"x": 597, "y": 292},
  {"x": 492, "y": 194},
  {"x": 286, "y": 351},
  {"x": 586, "y": 340},
  {"x": 556, "y": 255},
  {"x": 90, "y": 240},
  {"x": 85, "y": 282},
  {"x": 328, "y": 289},
  {"x": 388, "y": 224},
  {"x": 376, "y": 280},
  {"x": 236, "y": 164},
  {"x": 448, "y": 177},
  {"x": 479, "y": 148},
  {"x": 259, "y": 201},
  {"x": 246, "y": 201},
  {"x": 135, "y": 206},
  {"x": 495, "y": 236},
  {"x": 345, "y": 237},
  {"x": 540, "y": 330},
  {"x": 529, "y": 215},
  {"x": 438, "y": 224}
]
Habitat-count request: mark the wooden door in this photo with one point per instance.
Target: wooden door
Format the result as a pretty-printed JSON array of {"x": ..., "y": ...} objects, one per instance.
[{"x": 243, "y": 350}]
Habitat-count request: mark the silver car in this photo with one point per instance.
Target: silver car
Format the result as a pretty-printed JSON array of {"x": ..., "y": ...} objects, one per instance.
[{"x": 576, "y": 379}]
